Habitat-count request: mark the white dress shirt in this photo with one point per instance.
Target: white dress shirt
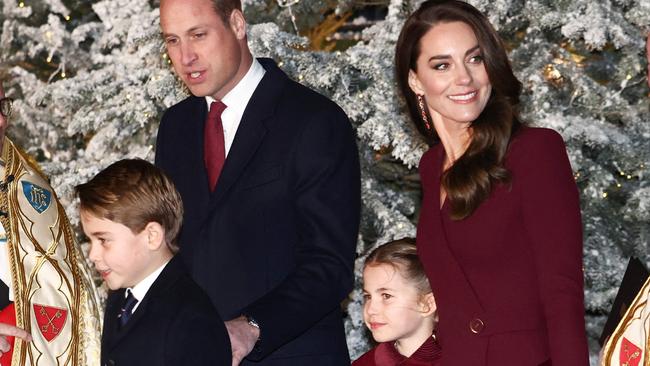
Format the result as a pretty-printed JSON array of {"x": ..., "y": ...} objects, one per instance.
[
  {"x": 236, "y": 101},
  {"x": 141, "y": 289}
]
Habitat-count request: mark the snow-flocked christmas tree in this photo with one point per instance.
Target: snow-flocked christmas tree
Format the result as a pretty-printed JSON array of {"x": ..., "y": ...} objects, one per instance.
[{"x": 91, "y": 81}]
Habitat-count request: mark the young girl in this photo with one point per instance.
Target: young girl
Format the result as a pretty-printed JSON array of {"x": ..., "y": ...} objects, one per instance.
[{"x": 399, "y": 308}]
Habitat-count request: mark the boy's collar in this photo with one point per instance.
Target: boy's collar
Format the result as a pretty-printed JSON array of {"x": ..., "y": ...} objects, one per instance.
[{"x": 141, "y": 288}]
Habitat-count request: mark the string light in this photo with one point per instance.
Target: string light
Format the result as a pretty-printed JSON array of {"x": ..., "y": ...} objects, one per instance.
[
  {"x": 21, "y": 4},
  {"x": 604, "y": 194},
  {"x": 288, "y": 4}
]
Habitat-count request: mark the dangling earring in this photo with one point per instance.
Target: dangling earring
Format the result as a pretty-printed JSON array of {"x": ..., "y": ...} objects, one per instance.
[{"x": 423, "y": 112}]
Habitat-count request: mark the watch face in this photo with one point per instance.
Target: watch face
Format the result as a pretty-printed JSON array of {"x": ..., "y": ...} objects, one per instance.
[{"x": 252, "y": 322}]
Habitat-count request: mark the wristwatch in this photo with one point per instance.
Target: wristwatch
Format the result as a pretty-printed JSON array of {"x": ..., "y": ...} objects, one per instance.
[{"x": 253, "y": 323}]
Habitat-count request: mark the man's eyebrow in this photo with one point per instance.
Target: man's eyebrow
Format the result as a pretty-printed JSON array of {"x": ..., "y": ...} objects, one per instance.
[{"x": 193, "y": 29}]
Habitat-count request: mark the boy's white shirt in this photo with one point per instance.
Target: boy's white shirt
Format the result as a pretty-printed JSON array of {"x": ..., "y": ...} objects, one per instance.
[{"x": 141, "y": 288}]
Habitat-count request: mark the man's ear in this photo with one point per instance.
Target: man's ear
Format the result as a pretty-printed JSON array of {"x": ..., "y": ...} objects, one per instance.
[
  {"x": 414, "y": 83},
  {"x": 155, "y": 235},
  {"x": 237, "y": 24},
  {"x": 428, "y": 303}
]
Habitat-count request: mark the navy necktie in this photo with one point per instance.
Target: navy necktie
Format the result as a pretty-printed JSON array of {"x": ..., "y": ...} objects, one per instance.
[{"x": 127, "y": 308}]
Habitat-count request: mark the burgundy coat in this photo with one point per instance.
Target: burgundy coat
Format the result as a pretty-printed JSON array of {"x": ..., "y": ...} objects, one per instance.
[
  {"x": 508, "y": 279},
  {"x": 385, "y": 354}
]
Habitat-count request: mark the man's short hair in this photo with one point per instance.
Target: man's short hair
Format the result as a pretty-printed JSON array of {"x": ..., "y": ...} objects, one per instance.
[
  {"x": 225, "y": 7},
  {"x": 134, "y": 192}
]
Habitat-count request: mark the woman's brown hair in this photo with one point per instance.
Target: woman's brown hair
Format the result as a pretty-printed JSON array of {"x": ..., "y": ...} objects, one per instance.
[{"x": 469, "y": 181}]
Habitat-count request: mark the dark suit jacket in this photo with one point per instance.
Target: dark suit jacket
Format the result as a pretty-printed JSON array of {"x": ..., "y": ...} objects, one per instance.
[
  {"x": 508, "y": 279},
  {"x": 175, "y": 324},
  {"x": 276, "y": 239}
]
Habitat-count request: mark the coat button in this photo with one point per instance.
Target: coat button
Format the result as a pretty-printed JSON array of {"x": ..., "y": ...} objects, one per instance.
[{"x": 476, "y": 325}]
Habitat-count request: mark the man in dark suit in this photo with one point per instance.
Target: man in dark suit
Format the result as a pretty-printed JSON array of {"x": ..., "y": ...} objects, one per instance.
[{"x": 269, "y": 174}]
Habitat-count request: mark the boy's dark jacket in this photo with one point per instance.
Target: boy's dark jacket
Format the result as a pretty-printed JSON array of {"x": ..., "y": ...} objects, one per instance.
[{"x": 175, "y": 324}]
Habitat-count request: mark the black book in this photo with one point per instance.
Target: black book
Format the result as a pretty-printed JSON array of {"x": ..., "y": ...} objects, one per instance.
[
  {"x": 635, "y": 276},
  {"x": 4, "y": 295}
]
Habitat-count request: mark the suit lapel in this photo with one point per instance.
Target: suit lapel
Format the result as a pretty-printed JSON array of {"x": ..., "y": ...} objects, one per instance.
[
  {"x": 197, "y": 116},
  {"x": 453, "y": 268},
  {"x": 252, "y": 128},
  {"x": 166, "y": 279},
  {"x": 118, "y": 333}
]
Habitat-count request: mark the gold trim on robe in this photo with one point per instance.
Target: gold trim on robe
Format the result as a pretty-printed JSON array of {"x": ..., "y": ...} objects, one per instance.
[
  {"x": 629, "y": 345},
  {"x": 54, "y": 295}
]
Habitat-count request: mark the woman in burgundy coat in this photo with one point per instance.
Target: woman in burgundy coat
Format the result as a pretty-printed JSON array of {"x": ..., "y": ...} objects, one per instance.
[{"x": 500, "y": 233}]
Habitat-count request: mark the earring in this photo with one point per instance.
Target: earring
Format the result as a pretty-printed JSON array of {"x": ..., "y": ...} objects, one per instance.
[{"x": 423, "y": 112}]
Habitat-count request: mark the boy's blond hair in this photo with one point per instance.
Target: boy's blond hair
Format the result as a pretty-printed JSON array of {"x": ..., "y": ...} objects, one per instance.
[{"x": 134, "y": 192}]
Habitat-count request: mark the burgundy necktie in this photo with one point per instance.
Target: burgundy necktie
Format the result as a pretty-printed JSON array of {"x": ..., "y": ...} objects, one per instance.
[{"x": 214, "y": 148}]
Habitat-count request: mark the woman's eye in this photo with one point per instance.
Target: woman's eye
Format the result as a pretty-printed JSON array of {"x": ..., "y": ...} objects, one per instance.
[
  {"x": 386, "y": 296},
  {"x": 476, "y": 59},
  {"x": 441, "y": 67},
  {"x": 366, "y": 297}
]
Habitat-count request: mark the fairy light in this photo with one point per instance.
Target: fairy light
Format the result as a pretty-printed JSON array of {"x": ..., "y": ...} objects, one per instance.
[{"x": 288, "y": 4}]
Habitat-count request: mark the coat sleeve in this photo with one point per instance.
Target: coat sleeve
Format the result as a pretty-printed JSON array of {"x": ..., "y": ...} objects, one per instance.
[
  {"x": 551, "y": 213},
  {"x": 325, "y": 189},
  {"x": 195, "y": 338},
  {"x": 160, "y": 159}
]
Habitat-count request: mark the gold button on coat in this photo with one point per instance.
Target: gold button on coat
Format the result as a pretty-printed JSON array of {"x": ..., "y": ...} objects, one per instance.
[{"x": 476, "y": 325}]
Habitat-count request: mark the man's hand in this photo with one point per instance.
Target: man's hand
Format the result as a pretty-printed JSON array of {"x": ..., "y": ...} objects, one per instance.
[
  {"x": 7, "y": 330},
  {"x": 243, "y": 337}
]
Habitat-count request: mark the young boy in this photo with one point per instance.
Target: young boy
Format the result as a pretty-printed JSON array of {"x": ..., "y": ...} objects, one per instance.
[{"x": 155, "y": 314}]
